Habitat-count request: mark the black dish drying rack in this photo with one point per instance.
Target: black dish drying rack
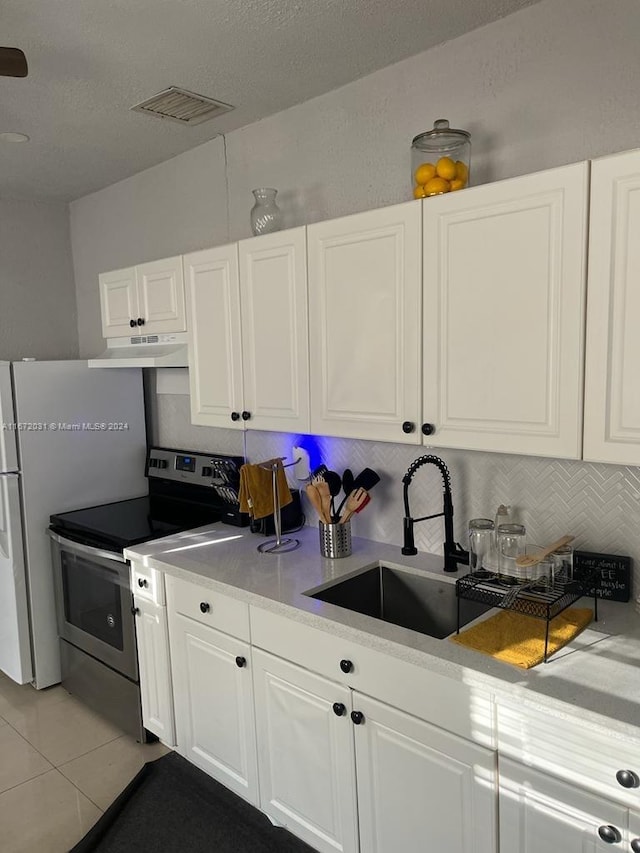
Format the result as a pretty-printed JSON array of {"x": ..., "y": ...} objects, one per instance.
[{"x": 531, "y": 598}]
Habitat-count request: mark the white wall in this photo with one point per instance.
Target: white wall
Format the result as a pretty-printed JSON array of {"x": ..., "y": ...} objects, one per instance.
[
  {"x": 37, "y": 293},
  {"x": 552, "y": 84}
]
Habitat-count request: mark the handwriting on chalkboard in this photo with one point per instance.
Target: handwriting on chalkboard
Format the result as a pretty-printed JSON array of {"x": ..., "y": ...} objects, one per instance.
[{"x": 614, "y": 573}]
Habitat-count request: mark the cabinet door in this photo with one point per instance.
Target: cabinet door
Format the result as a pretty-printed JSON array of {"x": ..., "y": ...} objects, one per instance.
[
  {"x": 364, "y": 311},
  {"x": 215, "y": 724},
  {"x": 421, "y": 788},
  {"x": 118, "y": 302},
  {"x": 215, "y": 348},
  {"x": 305, "y": 754},
  {"x": 504, "y": 292},
  {"x": 541, "y": 814},
  {"x": 155, "y": 673},
  {"x": 273, "y": 290},
  {"x": 612, "y": 401},
  {"x": 161, "y": 296}
]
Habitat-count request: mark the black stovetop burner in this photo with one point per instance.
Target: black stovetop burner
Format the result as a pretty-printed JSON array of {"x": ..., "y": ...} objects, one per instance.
[{"x": 185, "y": 491}]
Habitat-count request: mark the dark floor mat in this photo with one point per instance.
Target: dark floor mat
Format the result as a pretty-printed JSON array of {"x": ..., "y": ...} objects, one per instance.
[{"x": 173, "y": 807}]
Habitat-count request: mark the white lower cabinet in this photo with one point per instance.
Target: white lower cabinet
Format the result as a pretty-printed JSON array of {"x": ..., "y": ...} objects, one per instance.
[
  {"x": 306, "y": 754},
  {"x": 420, "y": 788},
  {"x": 409, "y": 786},
  {"x": 154, "y": 668},
  {"x": 215, "y": 726},
  {"x": 542, "y": 814}
]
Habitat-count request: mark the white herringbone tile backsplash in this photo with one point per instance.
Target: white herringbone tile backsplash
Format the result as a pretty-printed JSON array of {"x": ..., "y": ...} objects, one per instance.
[{"x": 598, "y": 504}]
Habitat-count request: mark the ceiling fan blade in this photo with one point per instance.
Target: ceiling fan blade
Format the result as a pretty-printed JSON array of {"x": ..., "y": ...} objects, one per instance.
[{"x": 13, "y": 62}]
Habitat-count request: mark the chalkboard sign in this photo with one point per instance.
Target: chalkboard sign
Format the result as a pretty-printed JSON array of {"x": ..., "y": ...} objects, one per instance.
[{"x": 615, "y": 573}]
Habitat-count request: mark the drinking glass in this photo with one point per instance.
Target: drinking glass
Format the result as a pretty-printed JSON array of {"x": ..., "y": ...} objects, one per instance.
[
  {"x": 562, "y": 560},
  {"x": 480, "y": 535},
  {"x": 510, "y": 539}
]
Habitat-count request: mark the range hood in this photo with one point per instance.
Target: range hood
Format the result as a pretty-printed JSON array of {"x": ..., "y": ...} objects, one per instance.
[{"x": 144, "y": 351}]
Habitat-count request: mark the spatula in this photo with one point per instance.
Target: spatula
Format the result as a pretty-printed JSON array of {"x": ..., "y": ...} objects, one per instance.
[
  {"x": 527, "y": 560},
  {"x": 355, "y": 500},
  {"x": 314, "y": 496}
]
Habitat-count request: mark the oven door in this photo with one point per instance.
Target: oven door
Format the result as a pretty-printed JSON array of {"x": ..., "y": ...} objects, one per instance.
[{"x": 94, "y": 603}]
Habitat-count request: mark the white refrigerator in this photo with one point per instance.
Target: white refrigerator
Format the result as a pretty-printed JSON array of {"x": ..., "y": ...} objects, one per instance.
[{"x": 70, "y": 437}]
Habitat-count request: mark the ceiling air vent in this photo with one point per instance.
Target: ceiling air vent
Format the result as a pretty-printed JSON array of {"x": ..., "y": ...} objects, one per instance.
[{"x": 182, "y": 106}]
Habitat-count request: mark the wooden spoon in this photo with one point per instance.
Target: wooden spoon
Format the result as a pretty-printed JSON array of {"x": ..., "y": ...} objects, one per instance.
[
  {"x": 355, "y": 500},
  {"x": 314, "y": 497},
  {"x": 526, "y": 560},
  {"x": 324, "y": 491}
]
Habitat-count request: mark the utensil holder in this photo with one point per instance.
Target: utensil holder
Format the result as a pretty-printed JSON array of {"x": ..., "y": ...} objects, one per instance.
[{"x": 335, "y": 540}]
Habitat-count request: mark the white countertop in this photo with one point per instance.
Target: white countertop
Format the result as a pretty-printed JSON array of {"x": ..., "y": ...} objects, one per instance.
[{"x": 598, "y": 673}]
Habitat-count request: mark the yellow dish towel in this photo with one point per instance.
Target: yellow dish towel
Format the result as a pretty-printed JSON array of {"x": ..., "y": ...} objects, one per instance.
[
  {"x": 256, "y": 488},
  {"x": 519, "y": 639}
]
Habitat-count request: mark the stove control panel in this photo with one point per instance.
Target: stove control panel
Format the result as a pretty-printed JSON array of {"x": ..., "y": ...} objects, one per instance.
[{"x": 195, "y": 468}]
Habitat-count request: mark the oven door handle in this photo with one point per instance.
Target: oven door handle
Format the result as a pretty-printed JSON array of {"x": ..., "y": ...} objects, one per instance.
[{"x": 87, "y": 550}]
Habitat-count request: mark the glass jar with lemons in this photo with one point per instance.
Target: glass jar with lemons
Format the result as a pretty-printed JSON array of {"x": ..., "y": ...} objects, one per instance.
[{"x": 440, "y": 160}]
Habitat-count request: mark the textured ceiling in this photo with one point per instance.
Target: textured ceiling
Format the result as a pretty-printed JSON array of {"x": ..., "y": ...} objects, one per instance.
[{"x": 90, "y": 60}]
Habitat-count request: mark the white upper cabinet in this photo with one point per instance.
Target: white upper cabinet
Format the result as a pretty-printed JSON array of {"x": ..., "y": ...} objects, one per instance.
[
  {"x": 161, "y": 296},
  {"x": 503, "y": 324},
  {"x": 364, "y": 324},
  {"x": 275, "y": 346},
  {"x": 146, "y": 300},
  {"x": 612, "y": 399},
  {"x": 119, "y": 302},
  {"x": 215, "y": 348}
]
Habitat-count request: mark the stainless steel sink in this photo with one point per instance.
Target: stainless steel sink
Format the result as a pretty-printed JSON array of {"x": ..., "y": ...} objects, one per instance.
[{"x": 425, "y": 604}]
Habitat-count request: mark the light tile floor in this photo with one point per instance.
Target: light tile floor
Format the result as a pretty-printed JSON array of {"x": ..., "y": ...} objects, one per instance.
[{"x": 61, "y": 766}]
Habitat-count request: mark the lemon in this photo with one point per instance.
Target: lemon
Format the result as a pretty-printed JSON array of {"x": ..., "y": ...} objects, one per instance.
[
  {"x": 424, "y": 173},
  {"x": 446, "y": 168},
  {"x": 419, "y": 192},
  {"x": 436, "y": 186},
  {"x": 462, "y": 172},
  {"x": 456, "y": 184}
]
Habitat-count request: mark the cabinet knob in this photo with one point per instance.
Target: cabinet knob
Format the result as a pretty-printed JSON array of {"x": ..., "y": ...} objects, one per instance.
[
  {"x": 133, "y": 324},
  {"x": 339, "y": 709},
  {"x": 141, "y": 321},
  {"x": 628, "y": 779},
  {"x": 408, "y": 427},
  {"x": 635, "y": 845},
  {"x": 346, "y": 665},
  {"x": 241, "y": 661},
  {"x": 205, "y": 607},
  {"x": 143, "y": 582},
  {"x": 246, "y": 415},
  {"x": 428, "y": 429},
  {"x": 135, "y": 611},
  {"x": 357, "y": 717},
  {"x": 235, "y": 416},
  {"x": 609, "y": 834}
]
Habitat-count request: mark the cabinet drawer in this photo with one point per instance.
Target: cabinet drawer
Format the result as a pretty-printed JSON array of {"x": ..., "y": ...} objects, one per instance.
[
  {"x": 208, "y": 607},
  {"x": 459, "y": 708},
  {"x": 578, "y": 752},
  {"x": 148, "y": 584}
]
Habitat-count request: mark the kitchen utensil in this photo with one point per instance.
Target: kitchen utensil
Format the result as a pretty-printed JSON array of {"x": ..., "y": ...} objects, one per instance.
[
  {"x": 365, "y": 503},
  {"x": 355, "y": 500},
  {"x": 334, "y": 481},
  {"x": 335, "y": 540},
  {"x": 366, "y": 479},
  {"x": 527, "y": 560},
  {"x": 316, "y": 500},
  {"x": 319, "y": 471},
  {"x": 322, "y": 487},
  {"x": 347, "y": 481}
]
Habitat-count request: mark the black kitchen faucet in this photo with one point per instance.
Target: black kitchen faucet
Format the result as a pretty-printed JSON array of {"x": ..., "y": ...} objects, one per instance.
[{"x": 453, "y": 553}]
